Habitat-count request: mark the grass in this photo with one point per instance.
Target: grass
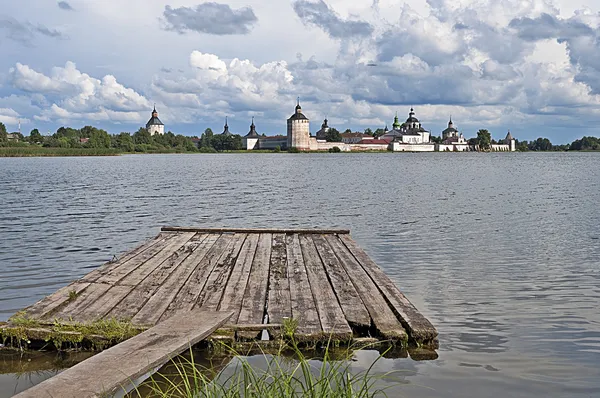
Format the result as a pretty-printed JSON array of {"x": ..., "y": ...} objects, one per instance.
[
  {"x": 35, "y": 150},
  {"x": 99, "y": 334},
  {"x": 295, "y": 376}
]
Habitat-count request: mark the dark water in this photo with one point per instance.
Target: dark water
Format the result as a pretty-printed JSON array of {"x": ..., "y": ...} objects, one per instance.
[{"x": 500, "y": 251}]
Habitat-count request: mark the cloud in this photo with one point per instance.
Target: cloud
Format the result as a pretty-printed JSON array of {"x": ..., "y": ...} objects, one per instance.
[
  {"x": 212, "y": 18},
  {"x": 77, "y": 95},
  {"x": 321, "y": 15},
  {"x": 547, "y": 27},
  {"x": 63, "y": 5},
  {"x": 25, "y": 32}
]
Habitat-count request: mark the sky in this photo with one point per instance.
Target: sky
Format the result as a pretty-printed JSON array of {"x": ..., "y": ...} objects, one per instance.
[{"x": 528, "y": 66}]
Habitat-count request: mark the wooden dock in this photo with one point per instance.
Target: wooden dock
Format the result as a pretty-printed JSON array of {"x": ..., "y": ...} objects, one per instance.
[
  {"x": 120, "y": 367},
  {"x": 320, "y": 278}
]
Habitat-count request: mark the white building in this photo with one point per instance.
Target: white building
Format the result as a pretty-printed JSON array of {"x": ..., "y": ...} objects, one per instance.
[
  {"x": 409, "y": 136},
  {"x": 251, "y": 140},
  {"x": 154, "y": 125},
  {"x": 452, "y": 140}
]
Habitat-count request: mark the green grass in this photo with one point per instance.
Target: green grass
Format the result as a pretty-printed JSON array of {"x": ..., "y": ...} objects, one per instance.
[
  {"x": 35, "y": 150},
  {"x": 281, "y": 375}
]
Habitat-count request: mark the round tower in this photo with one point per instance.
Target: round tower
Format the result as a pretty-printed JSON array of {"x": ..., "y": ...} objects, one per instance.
[{"x": 298, "y": 130}]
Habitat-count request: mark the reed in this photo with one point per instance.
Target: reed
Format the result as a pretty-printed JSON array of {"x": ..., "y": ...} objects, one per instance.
[{"x": 296, "y": 376}]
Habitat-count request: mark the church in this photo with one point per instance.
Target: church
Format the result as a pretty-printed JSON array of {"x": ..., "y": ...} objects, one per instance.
[
  {"x": 154, "y": 125},
  {"x": 409, "y": 136}
]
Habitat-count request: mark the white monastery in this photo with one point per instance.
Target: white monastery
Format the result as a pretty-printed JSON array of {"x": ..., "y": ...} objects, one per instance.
[
  {"x": 154, "y": 125},
  {"x": 409, "y": 136}
]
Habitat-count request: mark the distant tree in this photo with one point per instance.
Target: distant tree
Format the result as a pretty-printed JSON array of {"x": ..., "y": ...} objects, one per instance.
[
  {"x": 142, "y": 136},
  {"x": 68, "y": 132},
  {"x": 124, "y": 142},
  {"x": 335, "y": 149},
  {"x": 206, "y": 138},
  {"x": 3, "y": 135},
  {"x": 347, "y": 131},
  {"x": 98, "y": 138},
  {"x": 227, "y": 142},
  {"x": 378, "y": 133},
  {"x": 521, "y": 146},
  {"x": 484, "y": 139},
  {"x": 435, "y": 139},
  {"x": 333, "y": 135},
  {"x": 35, "y": 137},
  {"x": 585, "y": 144},
  {"x": 541, "y": 144},
  {"x": 368, "y": 131}
]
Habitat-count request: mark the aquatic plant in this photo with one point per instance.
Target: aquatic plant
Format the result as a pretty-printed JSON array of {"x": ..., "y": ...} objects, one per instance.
[{"x": 282, "y": 376}]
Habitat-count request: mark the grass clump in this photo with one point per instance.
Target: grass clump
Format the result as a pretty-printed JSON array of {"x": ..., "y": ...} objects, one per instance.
[{"x": 281, "y": 375}]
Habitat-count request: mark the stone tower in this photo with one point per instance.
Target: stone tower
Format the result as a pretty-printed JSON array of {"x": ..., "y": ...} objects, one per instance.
[
  {"x": 298, "y": 130},
  {"x": 154, "y": 125}
]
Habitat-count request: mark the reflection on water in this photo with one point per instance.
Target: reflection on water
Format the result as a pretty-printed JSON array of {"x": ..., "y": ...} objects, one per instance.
[{"x": 500, "y": 251}]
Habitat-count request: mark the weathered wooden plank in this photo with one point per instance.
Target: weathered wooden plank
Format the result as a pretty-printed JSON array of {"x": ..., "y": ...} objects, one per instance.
[
  {"x": 417, "y": 326},
  {"x": 105, "y": 302},
  {"x": 187, "y": 296},
  {"x": 129, "y": 257},
  {"x": 54, "y": 302},
  {"x": 331, "y": 315},
  {"x": 139, "y": 295},
  {"x": 113, "y": 370},
  {"x": 153, "y": 309},
  {"x": 279, "y": 304},
  {"x": 256, "y": 230},
  {"x": 351, "y": 302},
  {"x": 301, "y": 296},
  {"x": 384, "y": 319},
  {"x": 236, "y": 286},
  {"x": 255, "y": 295},
  {"x": 135, "y": 276},
  {"x": 213, "y": 290},
  {"x": 92, "y": 293}
]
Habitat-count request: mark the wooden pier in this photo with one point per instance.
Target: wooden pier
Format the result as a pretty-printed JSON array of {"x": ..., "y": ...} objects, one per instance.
[{"x": 320, "y": 279}]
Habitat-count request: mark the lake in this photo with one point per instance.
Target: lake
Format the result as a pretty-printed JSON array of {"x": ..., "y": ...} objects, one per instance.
[{"x": 500, "y": 251}]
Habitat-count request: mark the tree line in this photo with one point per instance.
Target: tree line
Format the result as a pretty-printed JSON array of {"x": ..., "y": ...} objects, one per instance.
[{"x": 141, "y": 141}]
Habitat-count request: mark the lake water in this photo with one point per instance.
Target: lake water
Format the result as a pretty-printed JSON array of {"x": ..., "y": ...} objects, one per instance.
[{"x": 500, "y": 251}]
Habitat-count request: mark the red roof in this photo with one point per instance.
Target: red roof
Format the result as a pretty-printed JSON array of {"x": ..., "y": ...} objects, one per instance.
[{"x": 374, "y": 141}]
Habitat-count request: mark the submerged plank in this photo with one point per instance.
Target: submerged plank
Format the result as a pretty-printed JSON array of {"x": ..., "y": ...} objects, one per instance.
[
  {"x": 331, "y": 315},
  {"x": 154, "y": 308},
  {"x": 113, "y": 370},
  {"x": 302, "y": 302},
  {"x": 384, "y": 319},
  {"x": 351, "y": 302},
  {"x": 417, "y": 326},
  {"x": 278, "y": 304},
  {"x": 255, "y": 295}
]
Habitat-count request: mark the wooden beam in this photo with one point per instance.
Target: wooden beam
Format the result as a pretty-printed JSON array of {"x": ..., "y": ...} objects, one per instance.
[
  {"x": 256, "y": 230},
  {"x": 114, "y": 369}
]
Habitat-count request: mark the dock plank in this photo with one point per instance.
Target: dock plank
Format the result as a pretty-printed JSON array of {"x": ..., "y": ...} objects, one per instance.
[
  {"x": 133, "y": 301},
  {"x": 238, "y": 280},
  {"x": 215, "y": 286},
  {"x": 154, "y": 308},
  {"x": 301, "y": 295},
  {"x": 91, "y": 294},
  {"x": 188, "y": 294},
  {"x": 351, "y": 302},
  {"x": 112, "y": 370},
  {"x": 384, "y": 319},
  {"x": 255, "y": 295},
  {"x": 129, "y": 259},
  {"x": 279, "y": 302},
  {"x": 417, "y": 326},
  {"x": 49, "y": 305},
  {"x": 332, "y": 317}
]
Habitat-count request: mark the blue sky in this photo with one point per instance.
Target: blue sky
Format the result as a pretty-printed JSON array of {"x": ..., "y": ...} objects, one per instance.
[{"x": 531, "y": 66}]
